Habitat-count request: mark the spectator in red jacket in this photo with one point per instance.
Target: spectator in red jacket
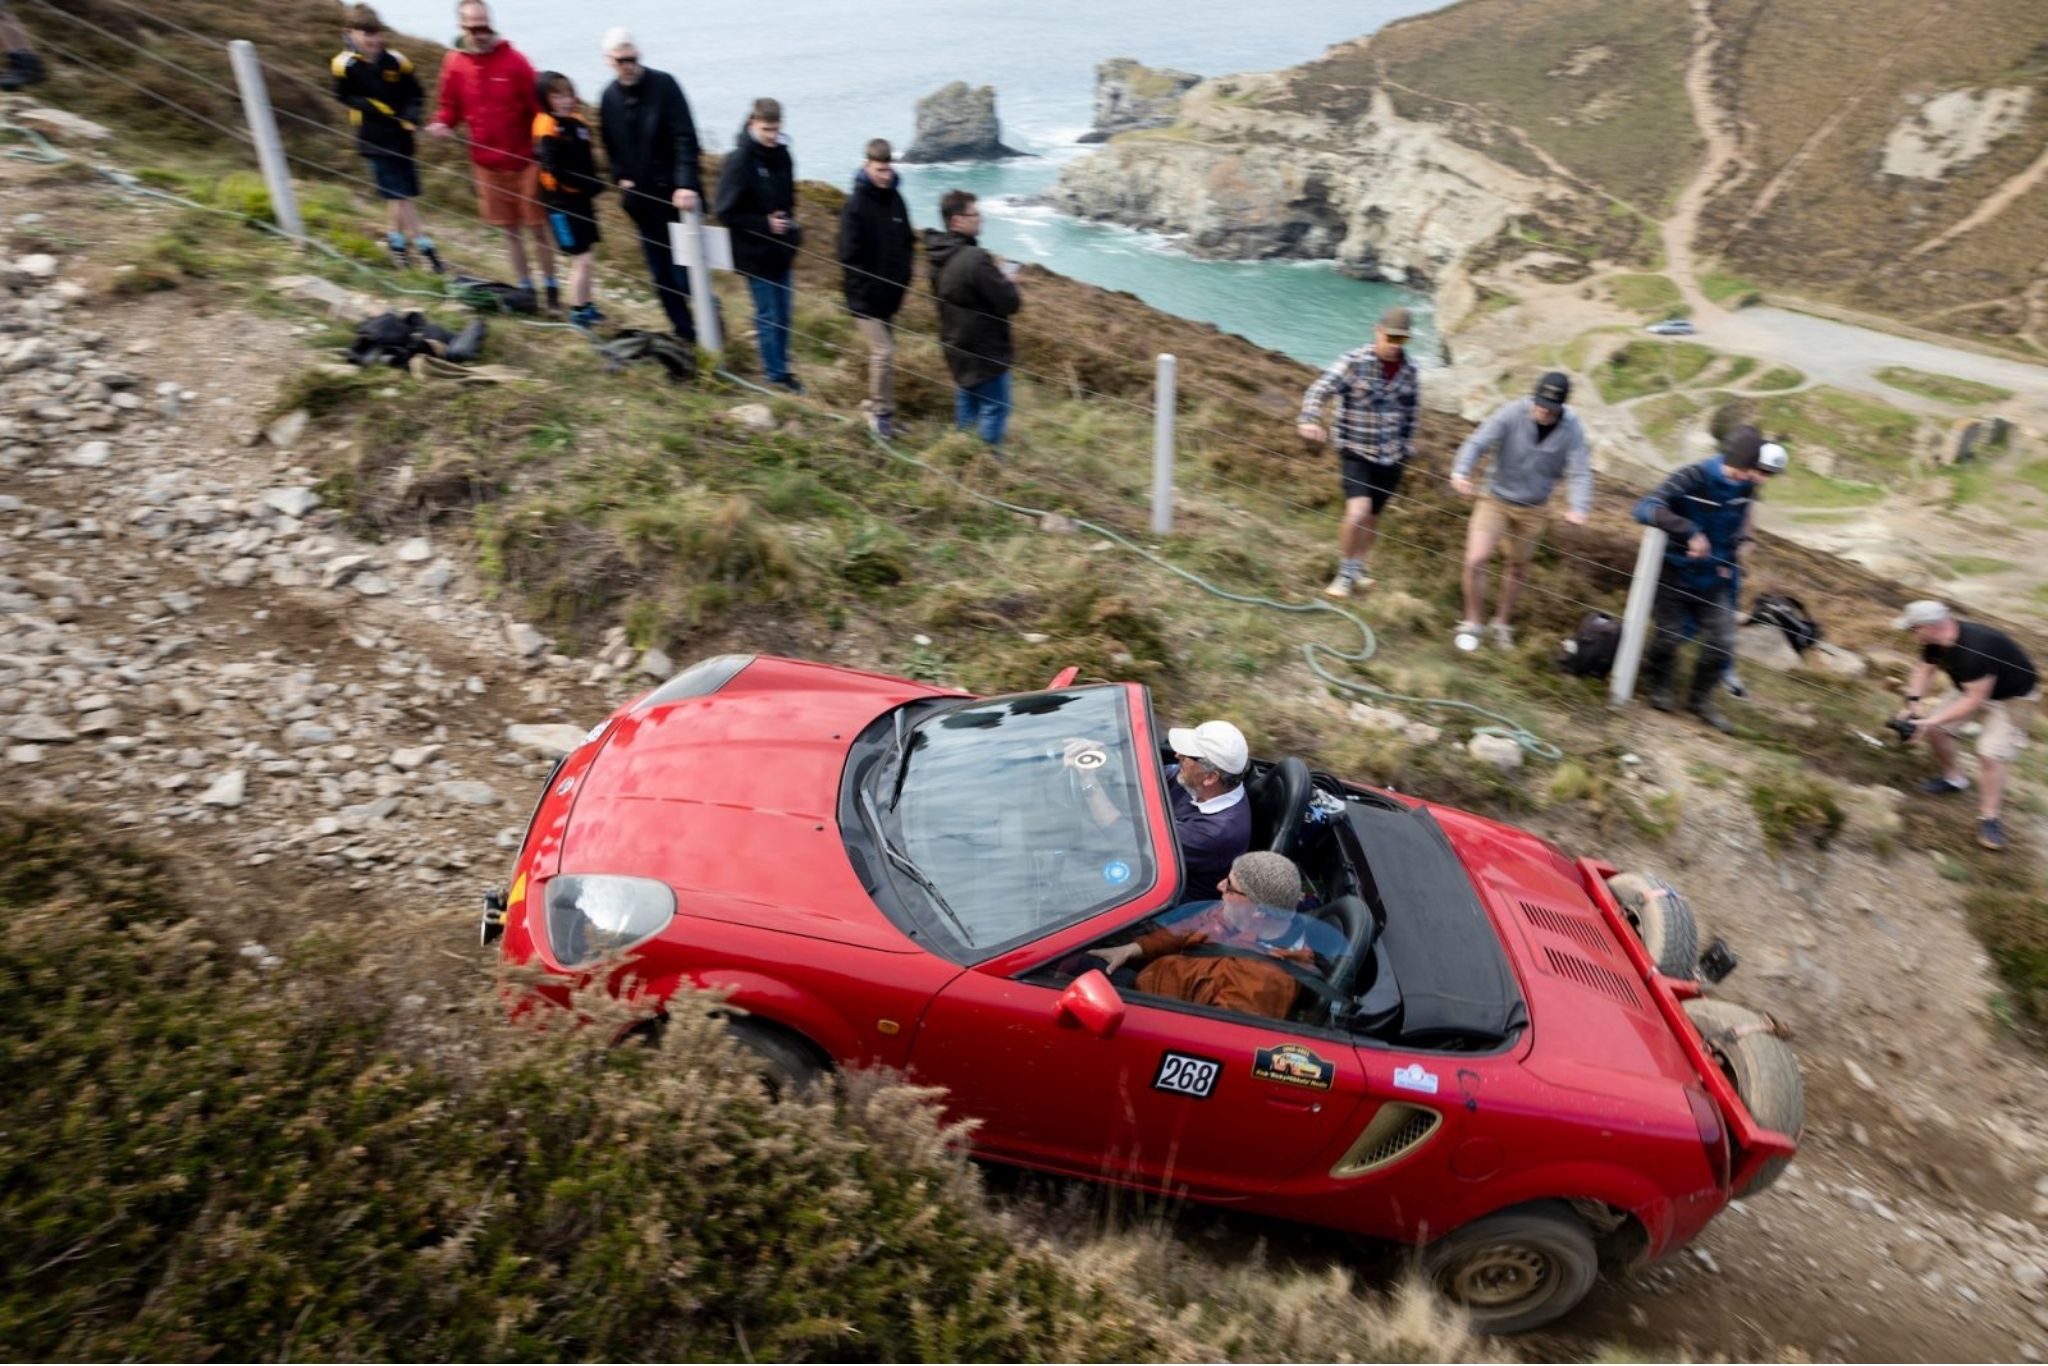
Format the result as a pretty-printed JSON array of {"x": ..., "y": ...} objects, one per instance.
[{"x": 488, "y": 85}]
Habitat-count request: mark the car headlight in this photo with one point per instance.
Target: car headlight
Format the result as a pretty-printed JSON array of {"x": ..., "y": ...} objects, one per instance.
[{"x": 594, "y": 917}]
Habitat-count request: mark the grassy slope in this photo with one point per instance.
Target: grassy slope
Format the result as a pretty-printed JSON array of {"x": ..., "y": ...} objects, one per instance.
[{"x": 1789, "y": 66}]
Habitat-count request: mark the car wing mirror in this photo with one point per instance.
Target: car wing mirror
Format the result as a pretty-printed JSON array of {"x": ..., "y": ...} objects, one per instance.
[{"x": 1092, "y": 1003}]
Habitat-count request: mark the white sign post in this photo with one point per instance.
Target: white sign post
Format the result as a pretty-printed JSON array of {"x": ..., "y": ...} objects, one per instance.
[
  {"x": 277, "y": 177},
  {"x": 1635, "y": 618},
  {"x": 1162, "y": 445},
  {"x": 701, "y": 250}
]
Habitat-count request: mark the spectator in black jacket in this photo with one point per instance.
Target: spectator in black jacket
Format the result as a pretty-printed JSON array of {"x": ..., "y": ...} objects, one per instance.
[
  {"x": 976, "y": 299},
  {"x": 876, "y": 246},
  {"x": 651, "y": 143},
  {"x": 757, "y": 201},
  {"x": 384, "y": 100},
  {"x": 1704, "y": 508}
]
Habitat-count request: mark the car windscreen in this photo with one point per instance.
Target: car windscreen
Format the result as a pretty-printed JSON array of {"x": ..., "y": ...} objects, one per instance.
[{"x": 1001, "y": 809}]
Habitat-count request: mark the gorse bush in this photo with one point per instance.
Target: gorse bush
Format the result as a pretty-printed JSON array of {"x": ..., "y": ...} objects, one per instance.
[{"x": 205, "y": 1158}]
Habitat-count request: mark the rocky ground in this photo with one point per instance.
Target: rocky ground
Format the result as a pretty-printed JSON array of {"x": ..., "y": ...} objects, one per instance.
[{"x": 194, "y": 646}]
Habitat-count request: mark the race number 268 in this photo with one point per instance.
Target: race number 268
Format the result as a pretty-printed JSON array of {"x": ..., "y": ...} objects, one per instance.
[{"x": 1184, "y": 1074}]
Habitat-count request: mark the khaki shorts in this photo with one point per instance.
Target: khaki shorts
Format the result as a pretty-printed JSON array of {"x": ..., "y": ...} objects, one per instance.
[
  {"x": 510, "y": 199},
  {"x": 1520, "y": 527},
  {"x": 2002, "y": 726}
]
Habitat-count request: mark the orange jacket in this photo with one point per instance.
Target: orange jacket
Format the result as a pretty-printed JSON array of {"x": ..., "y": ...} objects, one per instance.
[{"x": 1245, "y": 985}]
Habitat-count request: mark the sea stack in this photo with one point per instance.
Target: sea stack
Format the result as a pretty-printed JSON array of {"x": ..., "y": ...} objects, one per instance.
[
  {"x": 958, "y": 122},
  {"x": 1130, "y": 95}
]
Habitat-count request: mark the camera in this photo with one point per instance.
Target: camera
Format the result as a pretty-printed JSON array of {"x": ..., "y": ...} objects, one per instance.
[{"x": 1905, "y": 727}]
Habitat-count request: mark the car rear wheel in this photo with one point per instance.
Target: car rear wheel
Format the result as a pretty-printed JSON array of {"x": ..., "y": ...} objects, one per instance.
[
  {"x": 1764, "y": 1070},
  {"x": 1663, "y": 921},
  {"x": 785, "y": 1067},
  {"x": 1515, "y": 1270}
]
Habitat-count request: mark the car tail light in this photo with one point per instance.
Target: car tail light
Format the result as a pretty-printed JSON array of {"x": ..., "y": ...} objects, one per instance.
[
  {"x": 594, "y": 917},
  {"x": 1713, "y": 1135}
]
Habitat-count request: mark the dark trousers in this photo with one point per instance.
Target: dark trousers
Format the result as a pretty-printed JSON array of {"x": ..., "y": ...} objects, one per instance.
[
  {"x": 671, "y": 281},
  {"x": 1710, "y": 615}
]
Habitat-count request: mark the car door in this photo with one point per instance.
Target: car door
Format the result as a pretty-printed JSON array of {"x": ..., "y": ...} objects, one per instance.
[{"x": 1176, "y": 1097}]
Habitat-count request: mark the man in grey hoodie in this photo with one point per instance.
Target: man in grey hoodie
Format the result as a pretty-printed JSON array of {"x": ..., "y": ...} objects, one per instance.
[{"x": 1536, "y": 442}]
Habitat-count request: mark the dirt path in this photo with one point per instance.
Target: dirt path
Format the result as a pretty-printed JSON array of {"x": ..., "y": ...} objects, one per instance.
[
  {"x": 1722, "y": 156},
  {"x": 190, "y": 647},
  {"x": 1994, "y": 204}
]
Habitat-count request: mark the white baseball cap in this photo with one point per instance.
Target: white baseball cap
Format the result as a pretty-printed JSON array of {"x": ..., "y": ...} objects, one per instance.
[
  {"x": 1772, "y": 459},
  {"x": 1218, "y": 744},
  {"x": 618, "y": 40},
  {"x": 1926, "y": 612}
]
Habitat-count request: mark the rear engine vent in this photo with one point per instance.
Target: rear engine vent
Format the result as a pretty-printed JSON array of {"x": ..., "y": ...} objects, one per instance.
[
  {"x": 1397, "y": 1130},
  {"x": 1588, "y": 932},
  {"x": 1593, "y": 975}
]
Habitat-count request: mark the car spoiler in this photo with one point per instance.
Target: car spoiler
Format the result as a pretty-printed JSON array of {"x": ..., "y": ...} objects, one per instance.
[{"x": 1753, "y": 1144}]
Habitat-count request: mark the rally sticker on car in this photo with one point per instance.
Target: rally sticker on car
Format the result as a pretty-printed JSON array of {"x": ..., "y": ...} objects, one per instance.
[
  {"x": 1414, "y": 1078},
  {"x": 1295, "y": 1065},
  {"x": 1184, "y": 1074}
]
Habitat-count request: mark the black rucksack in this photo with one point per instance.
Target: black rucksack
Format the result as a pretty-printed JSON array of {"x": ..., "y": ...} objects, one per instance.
[
  {"x": 669, "y": 351},
  {"x": 1789, "y": 615},
  {"x": 1589, "y": 651}
]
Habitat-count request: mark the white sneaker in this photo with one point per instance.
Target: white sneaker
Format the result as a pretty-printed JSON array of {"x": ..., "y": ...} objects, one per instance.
[
  {"x": 1501, "y": 634},
  {"x": 1339, "y": 587},
  {"x": 1467, "y": 636}
]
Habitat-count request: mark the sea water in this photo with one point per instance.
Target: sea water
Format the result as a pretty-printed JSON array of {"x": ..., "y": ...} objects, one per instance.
[{"x": 850, "y": 70}]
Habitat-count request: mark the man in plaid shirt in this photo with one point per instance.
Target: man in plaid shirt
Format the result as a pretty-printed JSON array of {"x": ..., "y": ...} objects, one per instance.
[{"x": 1376, "y": 392}]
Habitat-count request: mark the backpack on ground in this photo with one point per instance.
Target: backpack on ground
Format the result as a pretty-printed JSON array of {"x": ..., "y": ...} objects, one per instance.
[
  {"x": 667, "y": 350},
  {"x": 1589, "y": 651},
  {"x": 1789, "y": 615},
  {"x": 493, "y": 296},
  {"x": 394, "y": 339}
]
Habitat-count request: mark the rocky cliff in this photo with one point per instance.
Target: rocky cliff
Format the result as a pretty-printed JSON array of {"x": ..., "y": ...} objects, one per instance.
[
  {"x": 1130, "y": 96},
  {"x": 1243, "y": 175},
  {"x": 958, "y": 122}
]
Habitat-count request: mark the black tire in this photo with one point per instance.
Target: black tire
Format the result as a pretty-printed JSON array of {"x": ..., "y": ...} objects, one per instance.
[
  {"x": 1663, "y": 921},
  {"x": 1515, "y": 1270},
  {"x": 785, "y": 1067},
  {"x": 1764, "y": 1070}
]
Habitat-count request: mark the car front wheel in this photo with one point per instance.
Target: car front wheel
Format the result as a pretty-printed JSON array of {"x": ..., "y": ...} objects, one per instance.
[
  {"x": 1515, "y": 1270},
  {"x": 782, "y": 1065}
]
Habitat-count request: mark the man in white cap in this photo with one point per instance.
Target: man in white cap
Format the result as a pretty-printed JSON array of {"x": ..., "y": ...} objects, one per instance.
[
  {"x": 1994, "y": 678},
  {"x": 1211, "y": 818},
  {"x": 651, "y": 141}
]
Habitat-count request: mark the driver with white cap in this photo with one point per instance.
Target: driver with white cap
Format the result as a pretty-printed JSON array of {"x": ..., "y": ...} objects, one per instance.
[{"x": 1211, "y": 818}]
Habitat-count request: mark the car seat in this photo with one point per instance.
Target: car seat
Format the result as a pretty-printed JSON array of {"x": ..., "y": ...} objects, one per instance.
[{"x": 1279, "y": 795}]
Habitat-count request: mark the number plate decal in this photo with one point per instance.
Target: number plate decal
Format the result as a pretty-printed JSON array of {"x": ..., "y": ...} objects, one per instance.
[{"x": 1184, "y": 1074}]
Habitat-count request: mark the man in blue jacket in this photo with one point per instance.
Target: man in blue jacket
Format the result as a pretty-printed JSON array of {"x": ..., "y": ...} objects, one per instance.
[{"x": 1704, "y": 509}]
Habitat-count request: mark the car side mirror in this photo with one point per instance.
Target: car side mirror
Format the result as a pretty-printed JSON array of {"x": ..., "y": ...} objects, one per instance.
[{"x": 1092, "y": 1003}]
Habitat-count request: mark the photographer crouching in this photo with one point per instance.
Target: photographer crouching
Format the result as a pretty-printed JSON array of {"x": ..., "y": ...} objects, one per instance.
[{"x": 1994, "y": 678}]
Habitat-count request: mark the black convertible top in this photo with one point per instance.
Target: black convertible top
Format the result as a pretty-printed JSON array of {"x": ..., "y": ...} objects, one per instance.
[{"x": 1453, "y": 974}]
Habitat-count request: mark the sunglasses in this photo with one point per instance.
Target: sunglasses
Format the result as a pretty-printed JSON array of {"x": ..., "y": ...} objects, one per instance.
[
  {"x": 620, "y": 60},
  {"x": 478, "y": 30}
]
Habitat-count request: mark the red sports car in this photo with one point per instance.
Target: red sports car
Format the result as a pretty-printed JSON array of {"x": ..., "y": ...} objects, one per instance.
[{"x": 1499, "y": 1053}]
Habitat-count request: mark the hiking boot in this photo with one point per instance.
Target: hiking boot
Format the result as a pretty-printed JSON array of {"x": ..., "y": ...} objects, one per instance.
[
  {"x": 554, "y": 297},
  {"x": 1466, "y": 637},
  {"x": 433, "y": 258},
  {"x": 1991, "y": 834},
  {"x": 1707, "y": 712},
  {"x": 400, "y": 256},
  {"x": 585, "y": 316},
  {"x": 1941, "y": 785},
  {"x": 1501, "y": 634},
  {"x": 882, "y": 425},
  {"x": 790, "y": 383}
]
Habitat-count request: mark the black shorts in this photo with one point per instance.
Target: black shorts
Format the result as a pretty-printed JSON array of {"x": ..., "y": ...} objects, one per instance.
[
  {"x": 1371, "y": 479},
  {"x": 396, "y": 177},
  {"x": 575, "y": 233}
]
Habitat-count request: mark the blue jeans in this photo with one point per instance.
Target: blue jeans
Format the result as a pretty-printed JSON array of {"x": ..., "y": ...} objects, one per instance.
[
  {"x": 671, "y": 281},
  {"x": 773, "y": 302},
  {"x": 984, "y": 408}
]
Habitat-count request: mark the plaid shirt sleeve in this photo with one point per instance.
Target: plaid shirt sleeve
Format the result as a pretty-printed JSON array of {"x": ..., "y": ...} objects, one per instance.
[{"x": 1319, "y": 394}]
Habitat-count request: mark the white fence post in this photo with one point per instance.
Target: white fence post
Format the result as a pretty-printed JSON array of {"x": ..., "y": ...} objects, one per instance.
[
  {"x": 1635, "y": 618},
  {"x": 263, "y": 132},
  {"x": 686, "y": 243},
  {"x": 1162, "y": 445}
]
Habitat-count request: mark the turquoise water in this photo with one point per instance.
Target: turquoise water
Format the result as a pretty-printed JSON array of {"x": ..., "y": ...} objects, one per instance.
[{"x": 848, "y": 71}]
